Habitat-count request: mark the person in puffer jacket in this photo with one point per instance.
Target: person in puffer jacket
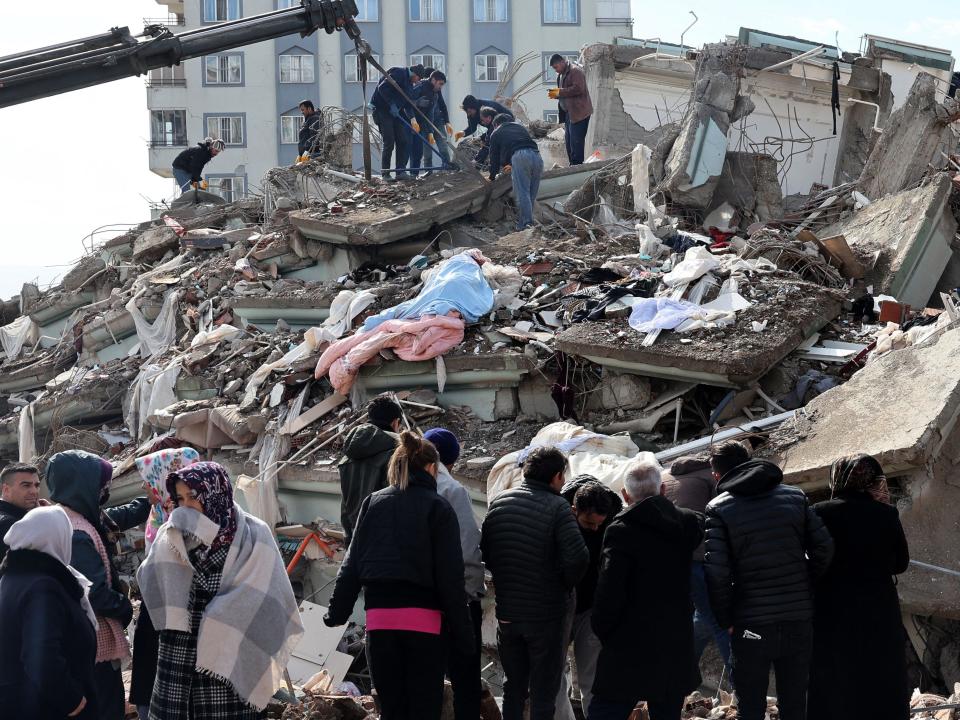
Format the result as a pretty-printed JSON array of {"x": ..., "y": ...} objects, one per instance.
[{"x": 764, "y": 547}]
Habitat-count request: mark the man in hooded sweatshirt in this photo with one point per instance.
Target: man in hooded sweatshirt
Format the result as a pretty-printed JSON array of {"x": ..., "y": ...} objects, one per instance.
[
  {"x": 366, "y": 452},
  {"x": 765, "y": 546},
  {"x": 80, "y": 483},
  {"x": 642, "y": 610}
]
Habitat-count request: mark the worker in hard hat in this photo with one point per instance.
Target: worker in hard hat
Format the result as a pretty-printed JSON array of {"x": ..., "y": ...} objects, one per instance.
[{"x": 188, "y": 165}]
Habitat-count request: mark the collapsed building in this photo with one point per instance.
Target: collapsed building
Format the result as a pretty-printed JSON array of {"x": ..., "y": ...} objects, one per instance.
[{"x": 687, "y": 285}]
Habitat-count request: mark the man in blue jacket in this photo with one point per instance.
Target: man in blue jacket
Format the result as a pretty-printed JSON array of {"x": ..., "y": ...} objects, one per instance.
[
  {"x": 392, "y": 112},
  {"x": 428, "y": 97}
]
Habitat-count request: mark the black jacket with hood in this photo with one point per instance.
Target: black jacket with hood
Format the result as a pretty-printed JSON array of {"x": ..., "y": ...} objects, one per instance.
[
  {"x": 765, "y": 546},
  {"x": 642, "y": 612},
  {"x": 363, "y": 470},
  {"x": 193, "y": 160},
  {"x": 406, "y": 553},
  {"x": 9, "y": 514},
  {"x": 73, "y": 478},
  {"x": 532, "y": 545},
  {"x": 47, "y": 643}
]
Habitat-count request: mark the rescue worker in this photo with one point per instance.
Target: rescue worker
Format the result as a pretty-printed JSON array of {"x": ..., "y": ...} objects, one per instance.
[
  {"x": 311, "y": 132},
  {"x": 573, "y": 99},
  {"x": 512, "y": 148},
  {"x": 393, "y": 114},
  {"x": 188, "y": 165}
]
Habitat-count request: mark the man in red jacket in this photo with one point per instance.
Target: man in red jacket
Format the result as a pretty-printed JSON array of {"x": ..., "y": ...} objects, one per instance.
[{"x": 575, "y": 106}]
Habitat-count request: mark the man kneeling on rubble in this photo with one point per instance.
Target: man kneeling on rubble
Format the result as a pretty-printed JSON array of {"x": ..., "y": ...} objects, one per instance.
[
  {"x": 642, "y": 610},
  {"x": 366, "y": 453},
  {"x": 531, "y": 545},
  {"x": 513, "y": 150}
]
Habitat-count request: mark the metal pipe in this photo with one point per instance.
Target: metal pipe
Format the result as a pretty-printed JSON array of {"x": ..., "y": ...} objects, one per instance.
[
  {"x": 695, "y": 21},
  {"x": 936, "y": 568},
  {"x": 799, "y": 58},
  {"x": 876, "y": 118}
]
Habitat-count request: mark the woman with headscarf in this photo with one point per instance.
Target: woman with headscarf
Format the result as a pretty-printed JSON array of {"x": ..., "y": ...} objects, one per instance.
[
  {"x": 80, "y": 482},
  {"x": 858, "y": 671},
  {"x": 217, "y": 590},
  {"x": 48, "y": 637},
  {"x": 406, "y": 557},
  {"x": 154, "y": 469}
]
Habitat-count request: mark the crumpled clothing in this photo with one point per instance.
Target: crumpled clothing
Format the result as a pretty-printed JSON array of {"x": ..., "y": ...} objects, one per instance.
[
  {"x": 652, "y": 314},
  {"x": 344, "y": 308},
  {"x": 411, "y": 340},
  {"x": 809, "y": 385},
  {"x": 457, "y": 284},
  {"x": 696, "y": 263}
]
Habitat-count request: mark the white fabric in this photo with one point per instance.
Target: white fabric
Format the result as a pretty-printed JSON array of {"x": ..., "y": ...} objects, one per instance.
[
  {"x": 344, "y": 308},
  {"x": 22, "y": 331},
  {"x": 48, "y": 530},
  {"x": 640, "y": 174},
  {"x": 312, "y": 340},
  {"x": 218, "y": 334},
  {"x": 26, "y": 442},
  {"x": 506, "y": 282},
  {"x": 156, "y": 338},
  {"x": 152, "y": 390},
  {"x": 696, "y": 263}
]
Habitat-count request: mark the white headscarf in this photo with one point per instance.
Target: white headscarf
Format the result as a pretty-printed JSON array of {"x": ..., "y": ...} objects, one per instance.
[{"x": 48, "y": 530}]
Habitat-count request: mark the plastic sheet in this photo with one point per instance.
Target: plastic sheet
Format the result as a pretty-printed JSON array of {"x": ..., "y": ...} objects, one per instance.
[
  {"x": 156, "y": 338},
  {"x": 22, "y": 331},
  {"x": 696, "y": 263}
]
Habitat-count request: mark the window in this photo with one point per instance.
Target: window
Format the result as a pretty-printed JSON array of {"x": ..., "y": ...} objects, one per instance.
[
  {"x": 220, "y": 10},
  {"x": 551, "y": 116},
  {"x": 167, "y": 77},
  {"x": 296, "y": 68},
  {"x": 369, "y": 11},
  {"x": 489, "y": 68},
  {"x": 560, "y": 11},
  {"x": 227, "y": 128},
  {"x": 229, "y": 188},
  {"x": 290, "y": 128},
  {"x": 351, "y": 69},
  {"x": 168, "y": 128},
  {"x": 613, "y": 9},
  {"x": 489, "y": 10},
  {"x": 223, "y": 69},
  {"x": 549, "y": 74},
  {"x": 426, "y": 10},
  {"x": 430, "y": 60}
]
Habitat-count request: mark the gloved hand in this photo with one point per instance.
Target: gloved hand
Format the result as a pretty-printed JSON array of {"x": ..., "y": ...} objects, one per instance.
[
  {"x": 194, "y": 185},
  {"x": 395, "y": 111},
  {"x": 204, "y": 185},
  {"x": 457, "y": 135},
  {"x": 430, "y": 139},
  {"x": 449, "y": 129},
  {"x": 506, "y": 169},
  {"x": 553, "y": 93},
  {"x": 303, "y": 158},
  {"x": 415, "y": 125}
]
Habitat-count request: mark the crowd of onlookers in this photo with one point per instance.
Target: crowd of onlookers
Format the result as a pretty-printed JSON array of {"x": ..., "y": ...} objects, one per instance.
[{"x": 637, "y": 581}]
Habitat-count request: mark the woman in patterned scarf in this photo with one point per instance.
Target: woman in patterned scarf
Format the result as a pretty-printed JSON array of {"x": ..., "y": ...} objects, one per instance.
[{"x": 859, "y": 667}]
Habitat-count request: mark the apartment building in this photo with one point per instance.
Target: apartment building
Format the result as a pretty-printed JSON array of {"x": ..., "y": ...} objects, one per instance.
[{"x": 248, "y": 97}]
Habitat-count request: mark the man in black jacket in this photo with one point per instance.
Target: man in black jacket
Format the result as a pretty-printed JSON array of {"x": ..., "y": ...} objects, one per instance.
[
  {"x": 512, "y": 148},
  {"x": 366, "y": 452},
  {"x": 188, "y": 165},
  {"x": 19, "y": 493},
  {"x": 472, "y": 106},
  {"x": 531, "y": 545},
  {"x": 642, "y": 610},
  {"x": 311, "y": 132},
  {"x": 764, "y": 546}
]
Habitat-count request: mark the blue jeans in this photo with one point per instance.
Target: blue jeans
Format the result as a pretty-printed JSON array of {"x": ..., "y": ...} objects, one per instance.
[
  {"x": 183, "y": 178},
  {"x": 144, "y": 712},
  {"x": 705, "y": 624},
  {"x": 576, "y": 135},
  {"x": 527, "y": 167}
]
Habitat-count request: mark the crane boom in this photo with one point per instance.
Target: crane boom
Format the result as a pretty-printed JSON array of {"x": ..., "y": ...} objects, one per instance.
[{"x": 117, "y": 54}]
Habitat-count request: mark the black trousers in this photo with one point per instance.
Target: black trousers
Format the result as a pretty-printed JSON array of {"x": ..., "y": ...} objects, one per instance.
[
  {"x": 532, "y": 655},
  {"x": 464, "y": 671},
  {"x": 657, "y": 709},
  {"x": 394, "y": 135},
  {"x": 110, "y": 697},
  {"x": 787, "y": 646},
  {"x": 407, "y": 672}
]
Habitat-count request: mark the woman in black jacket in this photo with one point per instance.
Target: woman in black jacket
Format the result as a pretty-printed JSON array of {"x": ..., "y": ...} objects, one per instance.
[
  {"x": 858, "y": 670},
  {"x": 48, "y": 640},
  {"x": 406, "y": 557}
]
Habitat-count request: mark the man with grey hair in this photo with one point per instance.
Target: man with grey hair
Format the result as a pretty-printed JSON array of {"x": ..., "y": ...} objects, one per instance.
[{"x": 643, "y": 601}]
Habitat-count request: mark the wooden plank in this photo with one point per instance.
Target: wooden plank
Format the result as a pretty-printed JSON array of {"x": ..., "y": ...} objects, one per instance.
[{"x": 316, "y": 412}]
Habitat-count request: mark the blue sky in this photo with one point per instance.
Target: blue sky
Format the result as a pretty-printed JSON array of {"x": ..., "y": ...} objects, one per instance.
[{"x": 75, "y": 162}]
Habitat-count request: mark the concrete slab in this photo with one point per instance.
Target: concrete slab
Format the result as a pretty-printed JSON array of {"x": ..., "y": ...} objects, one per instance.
[{"x": 299, "y": 312}]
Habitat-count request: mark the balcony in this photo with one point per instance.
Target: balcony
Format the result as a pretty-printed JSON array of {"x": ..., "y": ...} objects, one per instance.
[
  {"x": 168, "y": 143},
  {"x": 169, "y": 21},
  {"x": 166, "y": 82},
  {"x": 610, "y": 21}
]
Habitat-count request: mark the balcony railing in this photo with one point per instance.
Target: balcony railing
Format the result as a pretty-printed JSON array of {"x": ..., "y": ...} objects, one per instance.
[
  {"x": 168, "y": 143},
  {"x": 166, "y": 82},
  {"x": 169, "y": 21},
  {"x": 601, "y": 21}
]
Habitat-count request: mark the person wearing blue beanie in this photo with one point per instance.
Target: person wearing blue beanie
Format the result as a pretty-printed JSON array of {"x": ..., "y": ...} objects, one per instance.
[{"x": 446, "y": 444}]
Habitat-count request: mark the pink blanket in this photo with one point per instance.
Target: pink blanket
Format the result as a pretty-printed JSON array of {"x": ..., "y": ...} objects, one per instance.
[{"x": 411, "y": 340}]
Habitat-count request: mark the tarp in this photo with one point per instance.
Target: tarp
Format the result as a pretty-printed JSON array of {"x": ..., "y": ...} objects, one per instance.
[
  {"x": 457, "y": 284},
  {"x": 22, "y": 331},
  {"x": 156, "y": 338},
  {"x": 152, "y": 390}
]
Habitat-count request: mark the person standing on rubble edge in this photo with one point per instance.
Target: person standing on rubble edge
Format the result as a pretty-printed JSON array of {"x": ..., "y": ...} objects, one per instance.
[
  {"x": 427, "y": 95},
  {"x": 533, "y": 548},
  {"x": 642, "y": 611},
  {"x": 188, "y": 165},
  {"x": 574, "y": 104},
  {"x": 392, "y": 112},
  {"x": 690, "y": 484},
  {"x": 594, "y": 506},
  {"x": 859, "y": 668},
  {"x": 513, "y": 150},
  {"x": 80, "y": 483},
  {"x": 19, "y": 493},
  {"x": 463, "y": 668},
  {"x": 765, "y": 546},
  {"x": 366, "y": 454},
  {"x": 48, "y": 631},
  {"x": 311, "y": 132},
  {"x": 406, "y": 558}
]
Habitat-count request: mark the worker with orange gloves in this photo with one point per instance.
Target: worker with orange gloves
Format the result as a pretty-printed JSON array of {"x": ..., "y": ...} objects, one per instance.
[
  {"x": 188, "y": 165},
  {"x": 573, "y": 99},
  {"x": 513, "y": 151},
  {"x": 427, "y": 95},
  {"x": 393, "y": 113}
]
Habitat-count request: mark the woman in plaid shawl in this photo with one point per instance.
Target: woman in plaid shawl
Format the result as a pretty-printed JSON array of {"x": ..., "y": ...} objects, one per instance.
[{"x": 217, "y": 590}]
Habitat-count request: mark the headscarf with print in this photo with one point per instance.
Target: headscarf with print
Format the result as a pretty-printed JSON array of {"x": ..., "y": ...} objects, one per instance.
[
  {"x": 154, "y": 469},
  {"x": 859, "y": 473},
  {"x": 211, "y": 486}
]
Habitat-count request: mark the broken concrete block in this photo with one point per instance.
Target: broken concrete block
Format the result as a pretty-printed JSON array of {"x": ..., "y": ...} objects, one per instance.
[
  {"x": 154, "y": 243},
  {"x": 82, "y": 272},
  {"x": 622, "y": 390},
  {"x": 749, "y": 182}
]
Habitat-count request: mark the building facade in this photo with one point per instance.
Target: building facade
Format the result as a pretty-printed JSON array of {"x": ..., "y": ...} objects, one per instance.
[{"x": 248, "y": 97}]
